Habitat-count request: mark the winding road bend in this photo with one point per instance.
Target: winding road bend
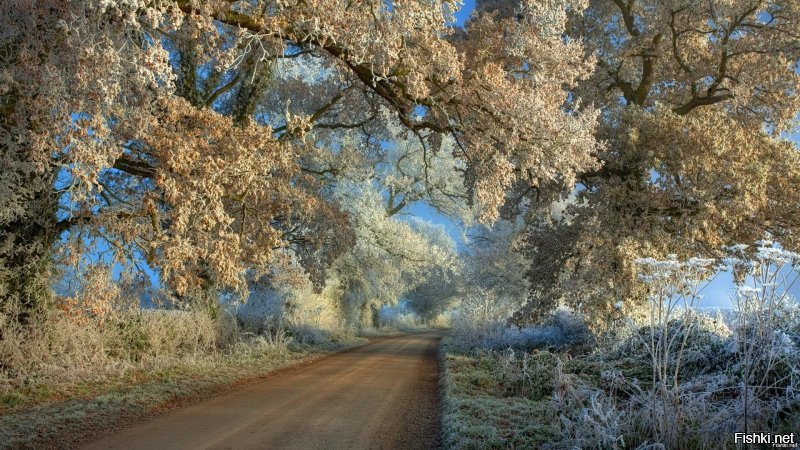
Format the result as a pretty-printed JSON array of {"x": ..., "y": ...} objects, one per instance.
[{"x": 382, "y": 395}]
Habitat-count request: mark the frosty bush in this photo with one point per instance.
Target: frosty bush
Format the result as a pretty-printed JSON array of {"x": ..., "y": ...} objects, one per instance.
[
  {"x": 481, "y": 318},
  {"x": 521, "y": 373},
  {"x": 707, "y": 379},
  {"x": 589, "y": 418},
  {"x": 309, "y": 317},
  {"x": 275, "y": 341},
  {"x": 707, "y": 348},
  {"x": 69, "y": 345},
  {"x": 563, "y": 329},
  {"x": 57, "y": 348},
  {"x": 673, "y": 377},
  {"x": 676, "y": 378}
]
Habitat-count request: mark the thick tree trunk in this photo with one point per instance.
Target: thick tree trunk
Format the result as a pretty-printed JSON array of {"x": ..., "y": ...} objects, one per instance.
[
  {"x": 28, "y": 224},
  {"x": 26, "y": 246}
]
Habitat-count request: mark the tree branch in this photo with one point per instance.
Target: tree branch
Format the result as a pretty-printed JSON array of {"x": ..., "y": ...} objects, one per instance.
[
  {"x": 134, "y": 167},
  {"x": 627, "y": 16}
]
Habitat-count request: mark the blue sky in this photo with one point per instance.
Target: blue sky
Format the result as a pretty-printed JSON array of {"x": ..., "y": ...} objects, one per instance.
[{"x": 463, "y": 14}]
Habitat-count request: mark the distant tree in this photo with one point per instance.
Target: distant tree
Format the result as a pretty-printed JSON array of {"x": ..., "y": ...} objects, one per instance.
[
  {"x": 440, "y": 287},
  {"x": 493, "y": 262},
  {"x": 391, "y": 257}
]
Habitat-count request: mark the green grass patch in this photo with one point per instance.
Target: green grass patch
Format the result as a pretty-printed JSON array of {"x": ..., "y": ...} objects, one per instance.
[{"x": 483, "y": 412}]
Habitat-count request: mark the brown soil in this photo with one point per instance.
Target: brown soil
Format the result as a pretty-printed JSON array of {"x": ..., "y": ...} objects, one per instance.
[{"x": 381, "y": 395}]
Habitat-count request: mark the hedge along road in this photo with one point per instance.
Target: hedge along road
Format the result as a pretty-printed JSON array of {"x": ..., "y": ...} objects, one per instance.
[{"x": 381, "y": 395}]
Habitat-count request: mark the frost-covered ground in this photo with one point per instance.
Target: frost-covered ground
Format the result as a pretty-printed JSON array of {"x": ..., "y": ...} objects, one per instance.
[
  {"x": 530, "y": 388},
  {"x": 64, "y": 381}
]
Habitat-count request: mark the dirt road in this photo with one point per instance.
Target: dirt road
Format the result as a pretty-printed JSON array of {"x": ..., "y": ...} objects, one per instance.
[{"x": 382, "y": 395}]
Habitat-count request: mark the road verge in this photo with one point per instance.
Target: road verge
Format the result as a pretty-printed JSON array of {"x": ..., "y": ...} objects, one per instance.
[{"x": 88, "y": 410}]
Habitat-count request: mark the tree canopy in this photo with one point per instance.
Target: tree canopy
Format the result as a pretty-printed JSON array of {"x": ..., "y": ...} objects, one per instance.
[
  {"x": 694, "y": 99},
  {"x": 220, "y": 142}
]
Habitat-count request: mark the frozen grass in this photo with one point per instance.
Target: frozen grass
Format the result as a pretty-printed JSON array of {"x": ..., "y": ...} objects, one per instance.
[
  {"x": 669, "y": 377},
  {"x": 67, "y": 414},
  {"x": 555, "y": 397},
  {"x": 63, "y": 381},
  {"x": 484, "y": 409}
]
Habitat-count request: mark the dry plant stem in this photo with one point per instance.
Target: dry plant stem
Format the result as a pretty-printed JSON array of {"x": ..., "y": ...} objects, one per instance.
[
  {"x": 676, "y": 293},
  {"x": 764, "y": 289}
]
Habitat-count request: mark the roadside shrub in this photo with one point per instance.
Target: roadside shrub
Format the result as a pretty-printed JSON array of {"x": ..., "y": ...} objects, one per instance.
[
  {"x": 707, "y": 348},
  {"x": 524, "y": 374},
  {"x": 274, "y": 342},
  {"x": 56, "y": 348},
  {"x": 589, "y": 417},
  {"x": 481, "y": 319},
  {"x": 156, "y": 334},
  {"x": 563, "y": 330}
]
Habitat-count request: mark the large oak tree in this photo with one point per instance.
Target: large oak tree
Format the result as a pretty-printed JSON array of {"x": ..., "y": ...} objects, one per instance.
[{"x": 694, "y": 98}]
